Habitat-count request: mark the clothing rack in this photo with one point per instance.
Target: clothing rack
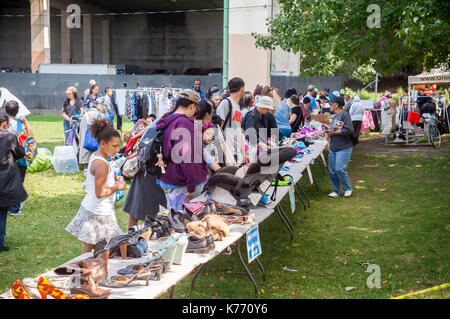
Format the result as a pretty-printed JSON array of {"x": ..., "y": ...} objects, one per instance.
[{"x": 154, "y": 102}]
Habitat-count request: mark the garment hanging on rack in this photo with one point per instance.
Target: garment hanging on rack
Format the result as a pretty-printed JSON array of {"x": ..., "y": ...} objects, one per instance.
[
  {"x": 367, "y": 122},
  {"x": 120, "y": 100}
]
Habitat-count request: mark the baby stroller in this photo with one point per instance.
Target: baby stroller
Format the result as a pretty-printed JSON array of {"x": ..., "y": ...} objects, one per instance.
[{"x": 73, "y": 138}]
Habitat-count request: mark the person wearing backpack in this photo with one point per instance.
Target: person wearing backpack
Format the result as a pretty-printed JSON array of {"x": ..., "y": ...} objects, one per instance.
[
  {"x": 16, "y": 126},
  {"x": 12, "y": 191},
  {"x": 230, "y": 114},
  {"x": 185, "y": 170}
]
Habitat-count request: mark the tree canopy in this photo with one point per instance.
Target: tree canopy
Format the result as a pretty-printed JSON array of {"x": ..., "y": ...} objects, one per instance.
[{"x": 345, "y": 36}]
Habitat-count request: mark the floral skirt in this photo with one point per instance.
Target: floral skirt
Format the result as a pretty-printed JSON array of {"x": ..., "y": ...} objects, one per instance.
[{"x": 91, "y": 228}]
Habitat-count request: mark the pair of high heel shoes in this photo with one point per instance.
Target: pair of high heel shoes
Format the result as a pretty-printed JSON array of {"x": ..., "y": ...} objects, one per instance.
[
  {"x": 46, "y": 289},
  {"x": 146, "y": 271}
]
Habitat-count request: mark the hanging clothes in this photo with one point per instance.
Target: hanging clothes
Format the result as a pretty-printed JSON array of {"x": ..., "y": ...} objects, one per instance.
[
  {"x": 120, "y": 100},
  {"x": 367, "y": 122}
]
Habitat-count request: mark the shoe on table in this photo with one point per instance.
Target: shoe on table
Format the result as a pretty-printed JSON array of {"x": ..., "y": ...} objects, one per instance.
[
  {"x": 197, "y": 245},
  {"x": 348, "y": 193},
  {"x": 333, "y": 194},
  {"x": 4, "y": 248}
]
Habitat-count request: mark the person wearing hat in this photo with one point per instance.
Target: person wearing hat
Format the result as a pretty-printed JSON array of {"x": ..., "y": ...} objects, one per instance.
[
  {"x": 88, "y": 91},
  {"x": 186, "y": 172},
  {"x": 356, "y": 113},
  {"x": 256, "y": 127},
  {"x": 340, "y": 135},
  {"x": 72, "y": 110}
]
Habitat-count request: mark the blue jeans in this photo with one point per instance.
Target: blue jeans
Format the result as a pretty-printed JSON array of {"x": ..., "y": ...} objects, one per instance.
[
  {"x": 3, "y": 215},
  {"x": 337, "y": 164},
  {"x": 183, "y": 189},
  {"x": 66, "y": 125},
  {"x": 16, "y": 208}
]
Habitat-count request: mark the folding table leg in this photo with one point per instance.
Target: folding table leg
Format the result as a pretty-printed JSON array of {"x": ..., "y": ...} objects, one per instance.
[
  {"x": 238, "y": 245},
  {"x": 197, "y": 272},
  {"x": 286, "y": 217},
  {"x": 315, "y": 182},
  {"x": 262, "y": 268},
  {"x": 322, "y": 166},
  {"x": 286, "y": 223},
  {"x": 304, "y": 193},
  {"x": 301, "y": 198}
]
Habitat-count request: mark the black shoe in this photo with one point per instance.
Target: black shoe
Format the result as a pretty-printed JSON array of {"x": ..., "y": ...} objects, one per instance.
[
  {"x": 197, "y": 245},
  {"x": 178, "y": 221},
  {"x": 4, "y": 248},
  {"x": 210, "y": 242}
]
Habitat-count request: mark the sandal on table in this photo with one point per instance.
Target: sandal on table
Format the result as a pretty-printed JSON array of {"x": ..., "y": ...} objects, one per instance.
[{"x": 118, "y": 281}]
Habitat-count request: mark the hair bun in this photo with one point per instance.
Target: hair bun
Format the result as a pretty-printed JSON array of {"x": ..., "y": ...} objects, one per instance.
[{"x": 98, "y": 125}]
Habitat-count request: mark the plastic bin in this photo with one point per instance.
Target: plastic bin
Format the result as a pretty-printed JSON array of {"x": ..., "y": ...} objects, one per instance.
[
  {"x": 413, "y": 117},
  {"x": 64, "y": 160}
]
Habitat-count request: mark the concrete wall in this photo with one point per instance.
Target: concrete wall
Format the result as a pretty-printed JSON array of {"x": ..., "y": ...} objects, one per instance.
[
  {"x": 245, "y": 60},
  {"x": 159, "y": 41},
  {"x": 301, "y": 83},
  {"x": 46, "y": 91}
]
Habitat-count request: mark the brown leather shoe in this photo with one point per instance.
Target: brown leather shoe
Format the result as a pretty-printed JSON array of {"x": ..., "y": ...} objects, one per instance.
[{"x": 91, "y": 289}]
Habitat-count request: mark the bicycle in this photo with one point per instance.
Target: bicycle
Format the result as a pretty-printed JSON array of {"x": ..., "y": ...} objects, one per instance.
[{"x": 433, "y": 133}]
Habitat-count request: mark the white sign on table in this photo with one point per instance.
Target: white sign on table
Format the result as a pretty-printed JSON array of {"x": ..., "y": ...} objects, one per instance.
[
  {"x": 253, "y": 244},
  {"x": 292, "y": 197}
]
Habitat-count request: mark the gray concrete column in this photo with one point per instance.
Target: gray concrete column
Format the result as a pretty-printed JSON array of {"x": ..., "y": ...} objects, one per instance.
[
  {"x": 105, "y": 42},
  {"x": 87, "y": 40},
  {"x": 65, "y": 39},
  {"x": 40, "y": 33}
]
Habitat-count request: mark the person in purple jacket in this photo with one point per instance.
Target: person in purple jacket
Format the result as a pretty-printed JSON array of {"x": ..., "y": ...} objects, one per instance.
[{"x": 186, "y": 171}]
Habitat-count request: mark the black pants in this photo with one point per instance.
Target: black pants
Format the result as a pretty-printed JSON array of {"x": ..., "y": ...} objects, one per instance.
[
  {"x": 357, "y": 129},
  {"x": 376, "y": 115}
]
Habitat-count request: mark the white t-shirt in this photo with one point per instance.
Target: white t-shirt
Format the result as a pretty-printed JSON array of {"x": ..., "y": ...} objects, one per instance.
[
  {"x": 95, "y": 205},
  {"x": 13, "y": 127},
  {"x": 233, "y": 129}
]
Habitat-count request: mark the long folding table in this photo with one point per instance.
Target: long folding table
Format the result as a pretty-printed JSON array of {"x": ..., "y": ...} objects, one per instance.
[{"x": 194, "y": 262}]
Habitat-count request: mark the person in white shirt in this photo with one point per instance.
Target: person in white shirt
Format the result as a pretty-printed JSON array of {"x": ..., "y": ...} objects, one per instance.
[
  {"x": 356, "y": 113},
  {"x": 96, "y": 219}
]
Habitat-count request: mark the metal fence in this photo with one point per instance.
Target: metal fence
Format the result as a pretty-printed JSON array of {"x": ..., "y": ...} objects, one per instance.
[
  {"x": 46, "y": 91},
  {"x": 301, "y": 83}
]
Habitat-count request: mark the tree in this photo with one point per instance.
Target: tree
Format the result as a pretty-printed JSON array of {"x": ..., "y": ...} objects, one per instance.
[{"x": 344, "y": 36}]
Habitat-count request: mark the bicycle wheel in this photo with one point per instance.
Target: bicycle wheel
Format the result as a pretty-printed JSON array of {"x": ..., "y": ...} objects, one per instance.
[{"x": 435, "y": 136}]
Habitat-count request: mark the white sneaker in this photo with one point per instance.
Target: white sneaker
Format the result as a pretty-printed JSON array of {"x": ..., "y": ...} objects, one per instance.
[
  {"x": 348, "y": 193},
  {"x": 333, "y": 194}
]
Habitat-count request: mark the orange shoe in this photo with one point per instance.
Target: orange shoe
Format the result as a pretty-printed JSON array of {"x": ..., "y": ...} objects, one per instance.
[
  {"x": 47, "y": 289},
  {"x": 20, "y": 291},
  {"x": 79, "y": 297}
]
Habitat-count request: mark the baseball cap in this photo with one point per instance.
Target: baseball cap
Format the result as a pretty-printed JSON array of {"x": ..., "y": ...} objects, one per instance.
[
  {"x": 190, "y": 95},
  {"x": 338, "y": 100},
  {"x": 92, "y": 82},
  {"x": 71, "y": 89},
  {"x": 265, "y": 102}
]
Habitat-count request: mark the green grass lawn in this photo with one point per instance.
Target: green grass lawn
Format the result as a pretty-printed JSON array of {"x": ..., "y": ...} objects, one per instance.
[{"x": 398, "y": 218}]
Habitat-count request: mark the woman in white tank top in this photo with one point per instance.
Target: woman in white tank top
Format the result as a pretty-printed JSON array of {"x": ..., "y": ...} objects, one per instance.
[{"x": 96, "y": 219}]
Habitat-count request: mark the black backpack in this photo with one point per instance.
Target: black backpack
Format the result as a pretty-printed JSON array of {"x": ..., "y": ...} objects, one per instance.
[{"x": 150, "y": 145}]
